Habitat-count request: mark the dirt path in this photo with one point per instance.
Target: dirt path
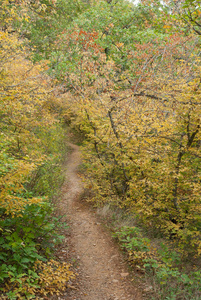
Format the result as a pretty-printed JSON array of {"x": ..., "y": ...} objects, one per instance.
[{"x": 102, "y": 273}]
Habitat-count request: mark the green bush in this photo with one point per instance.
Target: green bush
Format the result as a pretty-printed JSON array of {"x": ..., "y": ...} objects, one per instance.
[{"x": 160, "y": 265}]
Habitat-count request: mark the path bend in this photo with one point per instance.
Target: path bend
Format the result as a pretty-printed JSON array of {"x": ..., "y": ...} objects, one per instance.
[{"x": 102, "y": 272}]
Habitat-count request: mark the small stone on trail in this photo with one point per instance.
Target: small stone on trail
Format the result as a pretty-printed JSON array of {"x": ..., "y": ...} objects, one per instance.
[
  {"x": 148, "y": 288},
  {"x": 124, "y": 274}
]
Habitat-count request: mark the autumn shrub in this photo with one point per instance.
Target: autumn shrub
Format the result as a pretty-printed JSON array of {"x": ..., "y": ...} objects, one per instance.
[
  {"x": 46, "y": 278},
  {"x": 160, "y": 264},
  {"x": 141, "y": 123},
  {"x": 54, "y": 277},
  {"x": 32, "y": 145}
]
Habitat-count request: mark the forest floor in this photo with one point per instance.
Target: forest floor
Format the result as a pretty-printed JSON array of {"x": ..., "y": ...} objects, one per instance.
[{"x": 102, "y": 273}]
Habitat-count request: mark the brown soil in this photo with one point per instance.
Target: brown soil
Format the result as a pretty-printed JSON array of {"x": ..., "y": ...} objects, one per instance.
[{"x": 101, "y": 270}]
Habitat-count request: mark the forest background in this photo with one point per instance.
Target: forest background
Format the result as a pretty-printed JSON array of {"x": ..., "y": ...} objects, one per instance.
[{"x": 127, "y": 78}]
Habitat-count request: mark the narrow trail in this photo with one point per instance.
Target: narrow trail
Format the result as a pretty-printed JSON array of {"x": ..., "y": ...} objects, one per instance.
[{"x": 102, "y": 273}]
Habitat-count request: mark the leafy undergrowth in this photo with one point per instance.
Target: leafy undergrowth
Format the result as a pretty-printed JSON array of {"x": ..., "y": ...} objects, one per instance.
[
  {"x": 32, "y": 147},
  {"x": 46, "y": 278},
  {"x": 28, "y": 240},
  {"x": 161, "y": 266}
]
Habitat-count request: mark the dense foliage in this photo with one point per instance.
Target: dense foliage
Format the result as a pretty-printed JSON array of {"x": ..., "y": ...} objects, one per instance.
[
  {"x": 129, "y": 76},
  {"x": 31, "y": 149},
  {"x": 136, "y": 86}
]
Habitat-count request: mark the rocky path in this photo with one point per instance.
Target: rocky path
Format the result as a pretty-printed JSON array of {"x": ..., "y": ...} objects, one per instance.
[{"x": 102, "y": 273}]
